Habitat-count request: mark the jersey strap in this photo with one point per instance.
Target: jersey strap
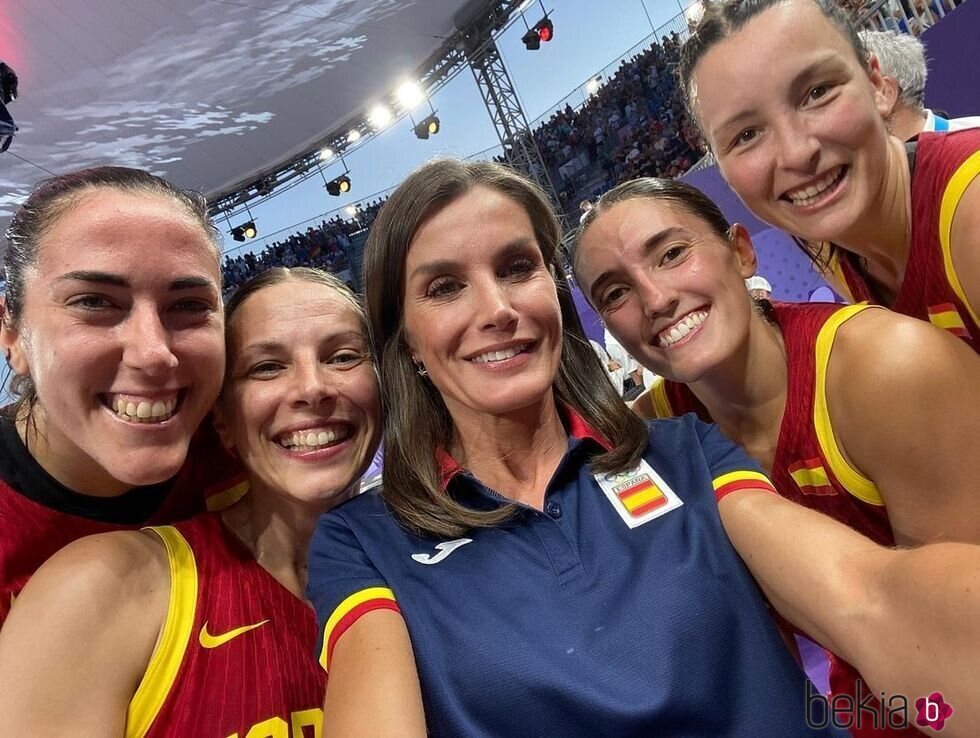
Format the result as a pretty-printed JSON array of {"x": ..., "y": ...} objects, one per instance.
[
  {"x": 852, "y": 480},
  {"x": 169, "y": 652}
]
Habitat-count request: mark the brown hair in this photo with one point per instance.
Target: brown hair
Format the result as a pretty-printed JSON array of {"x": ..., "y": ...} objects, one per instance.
[
  {"x": 676, "y": 193},
  {"x": 723, "y": 19},
  {"x": 278, "y": 275},
  {"x": 48, "y": 202},
  {"x": 416, "y": 420}
]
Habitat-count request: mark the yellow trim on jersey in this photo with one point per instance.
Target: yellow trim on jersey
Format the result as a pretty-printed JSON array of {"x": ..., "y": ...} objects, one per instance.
[
  {"x": 853, "y": 480},
  {"x": 653, "y": 403},
  {"x": 958, "y": 183},
  {"x": 227, "y": 497},
  {"x": 177, "y": 629},
  {"x": 352, "y": 601},
  {"x": 834, "y": 274}
]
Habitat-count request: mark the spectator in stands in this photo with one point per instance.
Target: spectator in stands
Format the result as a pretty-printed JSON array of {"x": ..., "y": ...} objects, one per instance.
[
  {"x": 822, "y": 165},
  {"x": 759, "y": 287},
  {"x": 902, "y": 61},
  {"x": 325, "y": 246}
]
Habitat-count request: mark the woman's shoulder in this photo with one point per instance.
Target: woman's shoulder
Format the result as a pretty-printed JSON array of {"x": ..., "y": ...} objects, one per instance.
[{"x": 111, "y": 580}]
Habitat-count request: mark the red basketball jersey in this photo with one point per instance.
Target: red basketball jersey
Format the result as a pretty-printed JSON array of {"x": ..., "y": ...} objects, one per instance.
[
  {"x": 945, "y": 165},
  {"x": 809, "y": 467},
  {"x": 30, "y": 532},
  {"x": 235, "y": 657}
]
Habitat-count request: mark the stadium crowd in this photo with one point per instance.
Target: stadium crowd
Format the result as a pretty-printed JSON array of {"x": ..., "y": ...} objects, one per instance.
[
  {"x": 635, "y": 125},
  {"x": 324, "y": 246}
]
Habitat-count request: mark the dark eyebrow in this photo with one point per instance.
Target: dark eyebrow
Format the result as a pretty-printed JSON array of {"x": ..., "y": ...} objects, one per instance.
[
  {"x": 651, "y": 244},
  {"x": 114, "y": 280},
  {"x": 447, "y": 265},
  {"x": 797, "y": 80}
]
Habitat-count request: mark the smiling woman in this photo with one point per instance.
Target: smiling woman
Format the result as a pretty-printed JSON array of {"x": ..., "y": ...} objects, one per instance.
[
  {"x": 803, "y": 143},
  {"x": 808, "y": 390},
  {"x": 164, "y": 610},
  {"x": 531, "y": 532},
  {"x": 112, "y": 327}
]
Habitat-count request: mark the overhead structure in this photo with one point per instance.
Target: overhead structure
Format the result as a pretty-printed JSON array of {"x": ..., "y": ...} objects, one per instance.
[
  {"x": 238, "y": 100},
  {"x": 498, "y": 92}
]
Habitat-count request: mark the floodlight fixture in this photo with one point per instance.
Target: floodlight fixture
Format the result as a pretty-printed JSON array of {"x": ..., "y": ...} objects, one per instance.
[
  {"x": 245, "y": 231},
  {"x": 543, "y": 30},
  {"x": 353, "y": 136},
  {"x": 379, "y": 117},
  {"x": 592, "y": 86},
  {"x": 410, "y": 95},
  {"x": 428, "y": 126},
  {"x": 351, "y": 210},
  {"x": 326, "y": 154},
  {"x": 339, "y": 186}
]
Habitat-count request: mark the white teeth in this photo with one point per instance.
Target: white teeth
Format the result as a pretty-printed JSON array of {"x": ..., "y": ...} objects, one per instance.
[
  {"x": 808, "y": 195},
  {"x": 144, "y": 411},
  {"x": 312, "y": 439},
  {"x": 500, "y": 355},
  {"x": 681, "y": 328}
]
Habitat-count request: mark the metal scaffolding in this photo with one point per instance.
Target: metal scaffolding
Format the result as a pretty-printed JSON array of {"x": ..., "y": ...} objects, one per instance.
[{"x": 507, "y": 115}]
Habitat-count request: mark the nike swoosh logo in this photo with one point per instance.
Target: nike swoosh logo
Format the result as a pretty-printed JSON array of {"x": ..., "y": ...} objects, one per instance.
[
  {"x": 445, "y": 548},
  {"x": 213, "y": 641}
]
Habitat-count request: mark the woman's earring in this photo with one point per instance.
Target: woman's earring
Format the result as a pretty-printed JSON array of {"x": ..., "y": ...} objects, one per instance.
[{"x": 420, "y": 367}]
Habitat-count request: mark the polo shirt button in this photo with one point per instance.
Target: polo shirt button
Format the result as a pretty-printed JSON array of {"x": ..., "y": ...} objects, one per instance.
[{"x": 554, "y": 509}]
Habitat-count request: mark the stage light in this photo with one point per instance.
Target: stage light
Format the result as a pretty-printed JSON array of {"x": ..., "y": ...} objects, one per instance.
[
  {"x": 592, "y": 86},
  {"x": 525, "y": 5},
  {"x": 379, "y": 117},
  {"x": 543, "y": 30},
  {"x": 546, "y": 29},
  {"x": 326, "y": 154},
  {"x": 409, "y": 94},
  {"x": 339, "y": 186},
  {"x": 427, "y": 127},
  {"x": 351, "y": 210},
  {"x": 353, "y": 135},
  {"x": 244, "y": 231}
]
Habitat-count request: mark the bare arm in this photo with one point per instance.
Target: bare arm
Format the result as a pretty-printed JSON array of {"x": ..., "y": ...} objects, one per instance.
[
  {"x": 904, "y": 398},
  {"x": 80, "y": 636},
  {"x": 908, "y": 620},
  {"x": 373, "y": 686}
]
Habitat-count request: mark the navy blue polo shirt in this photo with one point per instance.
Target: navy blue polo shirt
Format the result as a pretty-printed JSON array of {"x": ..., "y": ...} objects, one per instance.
[{"x": 618, "y": 610}]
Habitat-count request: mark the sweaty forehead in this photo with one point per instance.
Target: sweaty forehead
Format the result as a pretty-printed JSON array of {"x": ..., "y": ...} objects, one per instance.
[
  {"x": 273, "y": 312},
  {"x": 755, "y": 63},
  {"x": 103, "y": 217}
]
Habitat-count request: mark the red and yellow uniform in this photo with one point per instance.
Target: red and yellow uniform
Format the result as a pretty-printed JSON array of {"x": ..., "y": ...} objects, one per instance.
[
  {"x": 39, "y": 516},
  {"x": 809, "y": 467},
  {"x": 945, "y": 165},
  {"x": 234, "y": 656}
]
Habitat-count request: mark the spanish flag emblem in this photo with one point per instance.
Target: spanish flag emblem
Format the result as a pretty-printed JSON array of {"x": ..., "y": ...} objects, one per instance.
[
  {"x": 947, "y": 317},
  {"x": 640, "y": 495},
  {"x": 811, "y": 477}
]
